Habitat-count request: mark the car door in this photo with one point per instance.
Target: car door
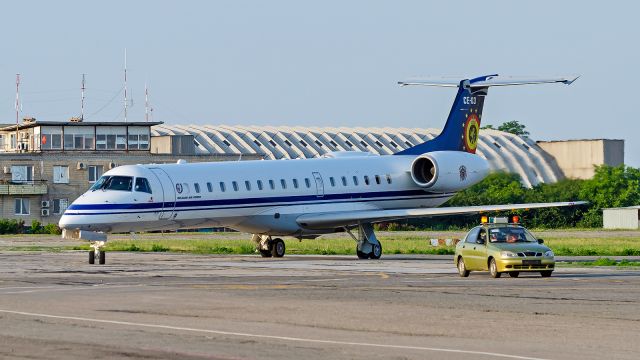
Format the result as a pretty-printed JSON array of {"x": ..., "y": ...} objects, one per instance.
[
  {"x": 469, "y": 247},
  {"x": 477, "y": 250}
]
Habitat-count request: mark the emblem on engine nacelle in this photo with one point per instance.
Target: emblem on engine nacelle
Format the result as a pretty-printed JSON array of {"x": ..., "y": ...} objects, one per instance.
[{"x": 463, "y": 172}]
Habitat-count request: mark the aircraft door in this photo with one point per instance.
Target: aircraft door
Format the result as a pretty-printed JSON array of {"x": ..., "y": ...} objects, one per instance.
[
  {"x": 319, "y": 184},
  {"x": 168, "y": 193}
]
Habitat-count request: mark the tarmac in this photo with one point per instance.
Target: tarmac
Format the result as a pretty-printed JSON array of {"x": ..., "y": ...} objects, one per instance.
[{"x": 168, "y": 306}]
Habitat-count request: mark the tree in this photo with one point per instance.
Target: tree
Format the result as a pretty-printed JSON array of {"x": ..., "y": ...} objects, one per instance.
[{"x": 514, "y": 127}]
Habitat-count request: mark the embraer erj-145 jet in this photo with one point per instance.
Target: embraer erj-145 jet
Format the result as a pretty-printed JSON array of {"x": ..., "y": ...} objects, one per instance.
[{"x": 340, "y": 191}]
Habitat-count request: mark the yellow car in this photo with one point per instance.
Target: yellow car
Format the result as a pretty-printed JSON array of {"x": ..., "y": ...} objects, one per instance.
[{"x": 503, "y": 248}]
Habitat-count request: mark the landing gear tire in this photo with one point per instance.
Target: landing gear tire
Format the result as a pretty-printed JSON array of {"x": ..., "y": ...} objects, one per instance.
[
  {"x": 103, "y": 257},
  {"x": 362, "y": 255},
  {"x": 462, "y": 269},
  {"x": 493, "y": 269},
  {"x": 514, "y": 274},
  {"x": 277, "y": 248},
  {"x": 546, "y": 273},
  {"x": 92, "y": 257},
  {"x": 376, "y": 252},
  {"x": 265, "y": 253}
]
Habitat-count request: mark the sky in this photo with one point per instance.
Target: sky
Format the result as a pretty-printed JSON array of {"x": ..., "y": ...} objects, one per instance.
[{"x": 325, "y": 63}]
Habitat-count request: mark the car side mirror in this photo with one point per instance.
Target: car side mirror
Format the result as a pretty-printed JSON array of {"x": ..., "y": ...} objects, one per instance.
[{"x": 540, "y": 241}]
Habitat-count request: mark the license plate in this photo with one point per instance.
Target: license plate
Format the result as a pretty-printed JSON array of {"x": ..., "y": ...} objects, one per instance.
[{"x": 531, "y": 262}]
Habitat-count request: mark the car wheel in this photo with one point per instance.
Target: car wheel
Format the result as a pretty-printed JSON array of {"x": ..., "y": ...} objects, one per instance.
[
  {"x": 546, "y": 273},
  {"x": 493, "y": 269},
  {"x": 514, "y": 273},
  {"x": 462, "y": 269}
]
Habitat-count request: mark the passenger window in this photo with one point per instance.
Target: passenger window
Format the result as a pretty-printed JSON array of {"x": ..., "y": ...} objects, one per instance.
[
  {"x": 235, "y": 185},
  {"x": 209, "y": 187},
  {"x": 344, "y": 181},
  {"x": 196, "y": 187},
  {"x": 295, "y": 183},
  {"x": 222, "y": 187},
  {"x": 259, "y": 184},
  {"x": 247, "y": 184},
  {"x": 355, "y": 180},
  {"x": 377, "y": 179},
  {"x": 283, "y": 183},
  {"x": 142, "y": 185},
  {"x": 366, "y": 180},
  {"x": 388, "y": 179},
  {"x": 272, "y": 184},
  {"x": 332, "y": 181},
  {"x": 307, "y": 182},
  {"x": 473, "y": 235}
]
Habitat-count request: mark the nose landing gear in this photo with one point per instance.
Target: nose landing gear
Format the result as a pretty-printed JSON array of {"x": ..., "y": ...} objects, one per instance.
[{"x": 97, "y": 252}]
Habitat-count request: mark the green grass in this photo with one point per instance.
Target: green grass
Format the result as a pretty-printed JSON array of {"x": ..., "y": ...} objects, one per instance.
[{"x": 604, "y": 261}]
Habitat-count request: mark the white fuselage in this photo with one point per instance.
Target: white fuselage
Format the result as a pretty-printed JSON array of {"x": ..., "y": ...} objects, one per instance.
[{"x": 260, "y": 197}]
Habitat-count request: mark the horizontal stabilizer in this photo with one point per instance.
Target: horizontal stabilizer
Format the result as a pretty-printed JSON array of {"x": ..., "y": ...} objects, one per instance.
[
  {"x": 346, "y": 218},
  {"x": 489, "y": 80}
]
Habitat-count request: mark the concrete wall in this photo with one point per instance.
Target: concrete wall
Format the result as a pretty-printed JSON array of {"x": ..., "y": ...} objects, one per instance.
[
  {"x": 623, "y": 218},
  {"x": 576, "y": 158}
]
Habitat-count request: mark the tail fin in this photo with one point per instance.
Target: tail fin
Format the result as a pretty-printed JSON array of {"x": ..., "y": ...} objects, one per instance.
[{"x": 461, "y": 132}]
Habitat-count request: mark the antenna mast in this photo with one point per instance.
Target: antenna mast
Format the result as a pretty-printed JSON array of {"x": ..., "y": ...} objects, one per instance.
[
  {"x": 125, "y": 85},
  {"x": 17, "y": 107},
  {"x": 82, "y": 100},
  {"x": 146, "y": 103}
]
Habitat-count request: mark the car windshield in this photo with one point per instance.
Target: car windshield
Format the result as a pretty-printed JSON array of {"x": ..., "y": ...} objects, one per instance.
[
  {"x": 120, "y": 183},
  {"x": 509, "y": 234}
]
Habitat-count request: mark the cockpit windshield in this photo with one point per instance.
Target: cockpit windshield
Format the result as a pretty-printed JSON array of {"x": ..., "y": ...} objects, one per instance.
[
  {"x": 510, "y": 234},
  {"x": 120, "y": 183}
]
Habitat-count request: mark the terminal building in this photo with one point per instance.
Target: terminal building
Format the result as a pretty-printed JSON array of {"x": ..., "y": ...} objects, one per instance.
[{"x": 46, "y": 165}]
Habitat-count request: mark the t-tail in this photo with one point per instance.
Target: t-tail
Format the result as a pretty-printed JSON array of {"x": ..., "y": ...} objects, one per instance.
[{"x": 462, "y": 129}]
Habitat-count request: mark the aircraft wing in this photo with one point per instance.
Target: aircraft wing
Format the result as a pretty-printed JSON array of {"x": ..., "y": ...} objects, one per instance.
[
  {"x": 490, "y": 80},
  {"x": 345, "y": 218}
]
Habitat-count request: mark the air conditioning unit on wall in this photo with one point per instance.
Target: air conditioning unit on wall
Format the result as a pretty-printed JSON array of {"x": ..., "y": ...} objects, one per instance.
[
  {"x": 44, "y": 203},
  {"x": 7, "y": 169},
  {"x": 44, "y": 212},
  {"x": 81, "y": 166},
  {"x": 112, "y": 165}
]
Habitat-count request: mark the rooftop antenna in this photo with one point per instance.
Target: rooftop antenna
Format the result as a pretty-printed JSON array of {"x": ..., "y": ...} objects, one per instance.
[
  {"x": 146, "y": 102},
  {"x": 82, "y": 100},
  {"x": 125, "y": 85},
  {"x": 17, "y": 107}
]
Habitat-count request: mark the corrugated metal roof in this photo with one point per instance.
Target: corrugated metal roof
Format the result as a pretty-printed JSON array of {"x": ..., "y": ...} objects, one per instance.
[{"x": 503, "y": 151}]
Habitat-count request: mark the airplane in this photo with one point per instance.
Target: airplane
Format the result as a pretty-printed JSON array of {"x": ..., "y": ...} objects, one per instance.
[{"x": 304, "y": 198}]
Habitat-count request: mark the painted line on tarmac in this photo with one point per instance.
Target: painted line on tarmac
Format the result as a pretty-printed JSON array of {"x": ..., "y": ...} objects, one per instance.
[
  {"x": 273, "y": 337},
  {"x": 34, "y": 289}
]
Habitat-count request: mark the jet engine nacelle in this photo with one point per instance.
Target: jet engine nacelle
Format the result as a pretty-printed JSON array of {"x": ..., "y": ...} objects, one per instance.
[{"x": 448, "y": 171}]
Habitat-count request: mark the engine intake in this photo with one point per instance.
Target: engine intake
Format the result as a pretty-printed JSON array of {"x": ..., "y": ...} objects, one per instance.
[{"x": 448, "y": 171}]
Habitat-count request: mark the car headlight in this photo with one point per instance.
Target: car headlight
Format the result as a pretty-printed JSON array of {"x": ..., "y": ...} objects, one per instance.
[
  {"x": 508, "y": 254},
  {"x": 548, "y": 253}
]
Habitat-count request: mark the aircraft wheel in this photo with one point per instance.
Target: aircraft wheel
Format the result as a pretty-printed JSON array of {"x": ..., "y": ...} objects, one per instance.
[
  {"x": 493, "y": 269},
  {"x": 278, "y": 248},
  {"x": 92, "y": 257},
  {"x": 514, "y": 274},
  {"x": 376, "y": 253},
  {"x": 103, "y": 257},
  {"x": 265, "y": 253},
  {"x": 546, "y": 273},
  {"x": 361, "y": 255}
]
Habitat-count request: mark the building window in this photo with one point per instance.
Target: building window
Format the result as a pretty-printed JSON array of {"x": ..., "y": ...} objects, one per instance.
[
  {"x": 60, "y": 174},
  {"x": 50, "y": 141},
  {"x": 94, "y": 171},
  {"x": 101, "y": 142},
  {"x": 295, "y": 183},
  {"x": 209, "y": 187},
  {"x": 59, "y": 206},
  {"x": 22, "y": 173},
  {"x": 22, "y": 206},
  {"x": 196, "y": 187},
  {"x": 68, "y": 141},
  {"x": 121, "y": 142},
  {"x": 143, "y": 142},
  {"x": 133, "y": 142},
  {"x": 259, "y": 182}
]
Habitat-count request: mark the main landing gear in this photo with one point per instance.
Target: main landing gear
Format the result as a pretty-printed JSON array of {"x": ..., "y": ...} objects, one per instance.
[
  {"x": 269, "y": 247},
  {"x": 368, "y": 246}
]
